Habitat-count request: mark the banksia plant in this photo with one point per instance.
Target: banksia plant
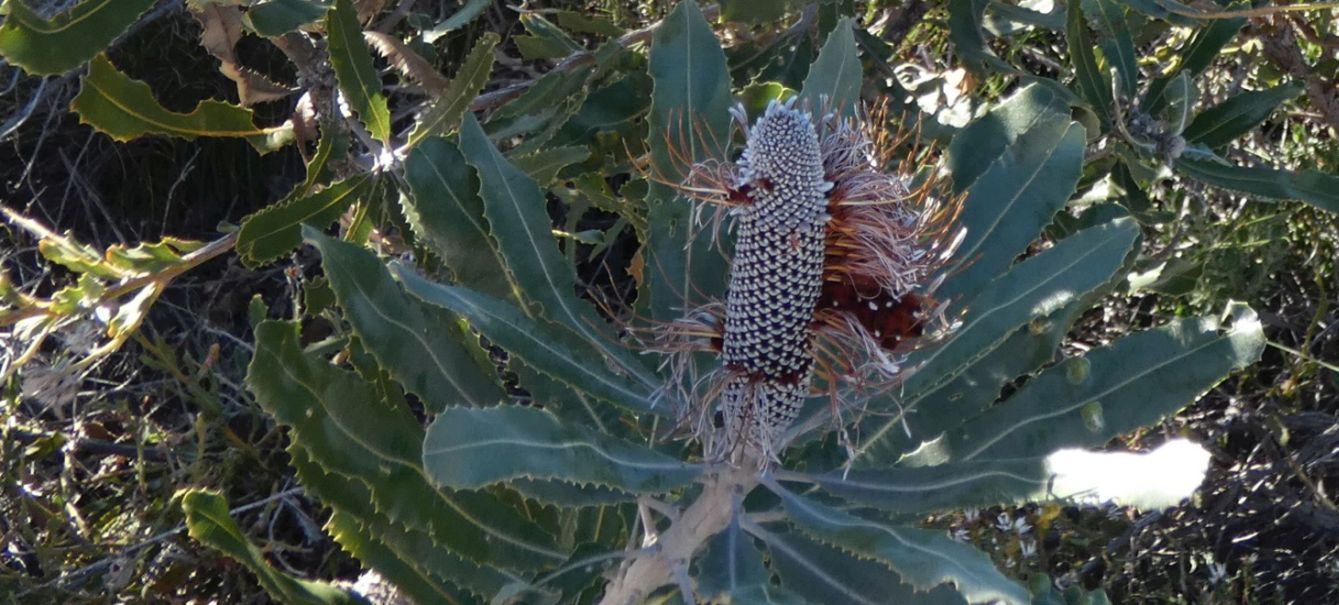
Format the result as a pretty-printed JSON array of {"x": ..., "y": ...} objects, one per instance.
[{"x": 815, "y": 341}]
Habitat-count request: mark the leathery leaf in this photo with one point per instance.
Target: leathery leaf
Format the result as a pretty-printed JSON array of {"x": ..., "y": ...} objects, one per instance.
[
  {"x": 468, "y": 448},
  {"x": 346, "y": 428}
]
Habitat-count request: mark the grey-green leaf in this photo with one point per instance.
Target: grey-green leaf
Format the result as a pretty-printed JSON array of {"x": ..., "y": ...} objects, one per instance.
[
  {"x": 689, "y": 122},
  {"x": 1031, "y": 291},
  {"x": 730, "y": 564},
  {"x": 444, "y": 113},
  {"x": 828, "y": 575},
  {"x": 925, "y": 490},
  {"x": 1133, "y": 382},
  {"x": 517, "y": 214},
  {"x": 1019, "y": 164},
  {"x": 834, "y": 78},
  {"x": 347, "y": 428},
  {"x": 1092, "y": 83},
  {"x": 544, "y": 347},
  {"x": 469, "y": 448},
  {"x": 1311, "y": 186},
  {"x": 923, "y": 558},
  {"x": 419, "y": 344}
]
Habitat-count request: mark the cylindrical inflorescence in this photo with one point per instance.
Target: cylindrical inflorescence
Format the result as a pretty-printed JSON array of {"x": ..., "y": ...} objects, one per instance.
[{"x": 775, "y": 280}]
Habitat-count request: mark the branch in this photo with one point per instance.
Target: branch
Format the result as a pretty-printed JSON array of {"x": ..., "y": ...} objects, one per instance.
[{"x": 706, "y": 517}]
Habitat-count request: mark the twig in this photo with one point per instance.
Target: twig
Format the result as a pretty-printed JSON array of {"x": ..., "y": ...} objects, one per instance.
[{"x": 188, "y": 262}]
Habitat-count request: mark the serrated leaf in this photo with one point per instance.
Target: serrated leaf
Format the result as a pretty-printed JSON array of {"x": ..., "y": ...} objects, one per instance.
[
  {"x": 923, "y": 558},
  {"x": 207, "y": 521},
  {"x": 274, "y": 231},
  {"x": 419, "y": 344},
  {"x": 689, "y": 122},
  {"x": 834, "y": 78},
  {"x": 328, "y": 412},
  {"x": 468, "y": 11},
  {"x": 543, "y": 166},
  {"x": 825, "y": 574},
  {"x": 556, "y": 353},
  {"x": 1133, "y": 382},
  {"x": 221, "y": 29},
  {"x": 929, "y": 489},
  {"x": 277, "y": 17},
  {"x": 730, "y": 564},
  {"x": 1311, "y": 186},
  {"x": 357, "y": 540},
  {"x": 546, "y": 40},
  {"x": 1033, "y": 290},
  {"x": 64, "y": 42},
  {"x": 564, "y": 494},
  {"x": 408, "y": 63},
  {"x": 444, "y": 210},
  {"x": 1092, "y": 83},
  {"x": 354, "y": 72},
  {"x": 1238, "y": 115},
  {"x": 397, "y": 551},
  {"x": 1019, "y": 164},
  {"x": 469, "y": 448},
  {"x": 125, "y": 109},
  {"x": 517, "y": 214}
]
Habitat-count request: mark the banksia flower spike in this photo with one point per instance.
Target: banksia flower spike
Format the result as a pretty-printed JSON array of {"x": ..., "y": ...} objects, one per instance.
[{"x": 828, "y": 251}]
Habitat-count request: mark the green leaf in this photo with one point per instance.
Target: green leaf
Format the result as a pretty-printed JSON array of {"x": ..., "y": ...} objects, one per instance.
[
  {"x": 1019, "y": 164},
  {"x": 835, "y": 76},
  {"x": 825, "y": 574},
  {"x": 444, "y": 113},
  {"x": 358, "y": 540},
  {"x": 689, "y": 122},
  {"x": 409, "y": 556},
  {"x": 276, "y": 230},
  {"x": 546, "y": 40},
  {"x": 1220, "y": 124},
  {"x": 552, "y": 351},
  {"x": 1133, "y": 382},
  {"x": 1311, "y": 186},
  {"x": 469, "y": 11},
  {"x": 932, "y": 399},
  {"x": 469, "y": 448},
  {"x": 125, "y": 109},
  {"x": 1120, "y": 50},
  {"x": 444, "y": 211},
  {"x": 328, "y": 412},
  {"x": 354, "y": 72},
  {"x": 730, "y": 564},
  {"x": 64, "y": 42},
  {"x": 517, "y": 214},
  {"x": 208, "y": 521},
  {"x": 968, "y": 38},
  {"x": 278, "y": 17},
  {"x": 930, "y": 489},
  {"x": 543, "y": 166},
  {"x": 420, "y": 345},
  {"x": 924, "y": 558},
  {"x": 1092, "y": 83}
]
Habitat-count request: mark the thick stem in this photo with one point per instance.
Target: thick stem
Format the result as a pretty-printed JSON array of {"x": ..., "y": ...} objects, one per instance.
[{"x": 706, "y": 517}]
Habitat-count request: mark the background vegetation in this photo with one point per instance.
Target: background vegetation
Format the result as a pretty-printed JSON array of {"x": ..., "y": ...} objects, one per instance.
[{"x": 98, "y": 439}]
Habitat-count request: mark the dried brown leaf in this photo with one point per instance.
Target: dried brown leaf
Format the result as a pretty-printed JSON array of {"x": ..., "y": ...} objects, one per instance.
[
  {"x": 221, "y": 28},
  {"x": 410, "y": 65}
]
